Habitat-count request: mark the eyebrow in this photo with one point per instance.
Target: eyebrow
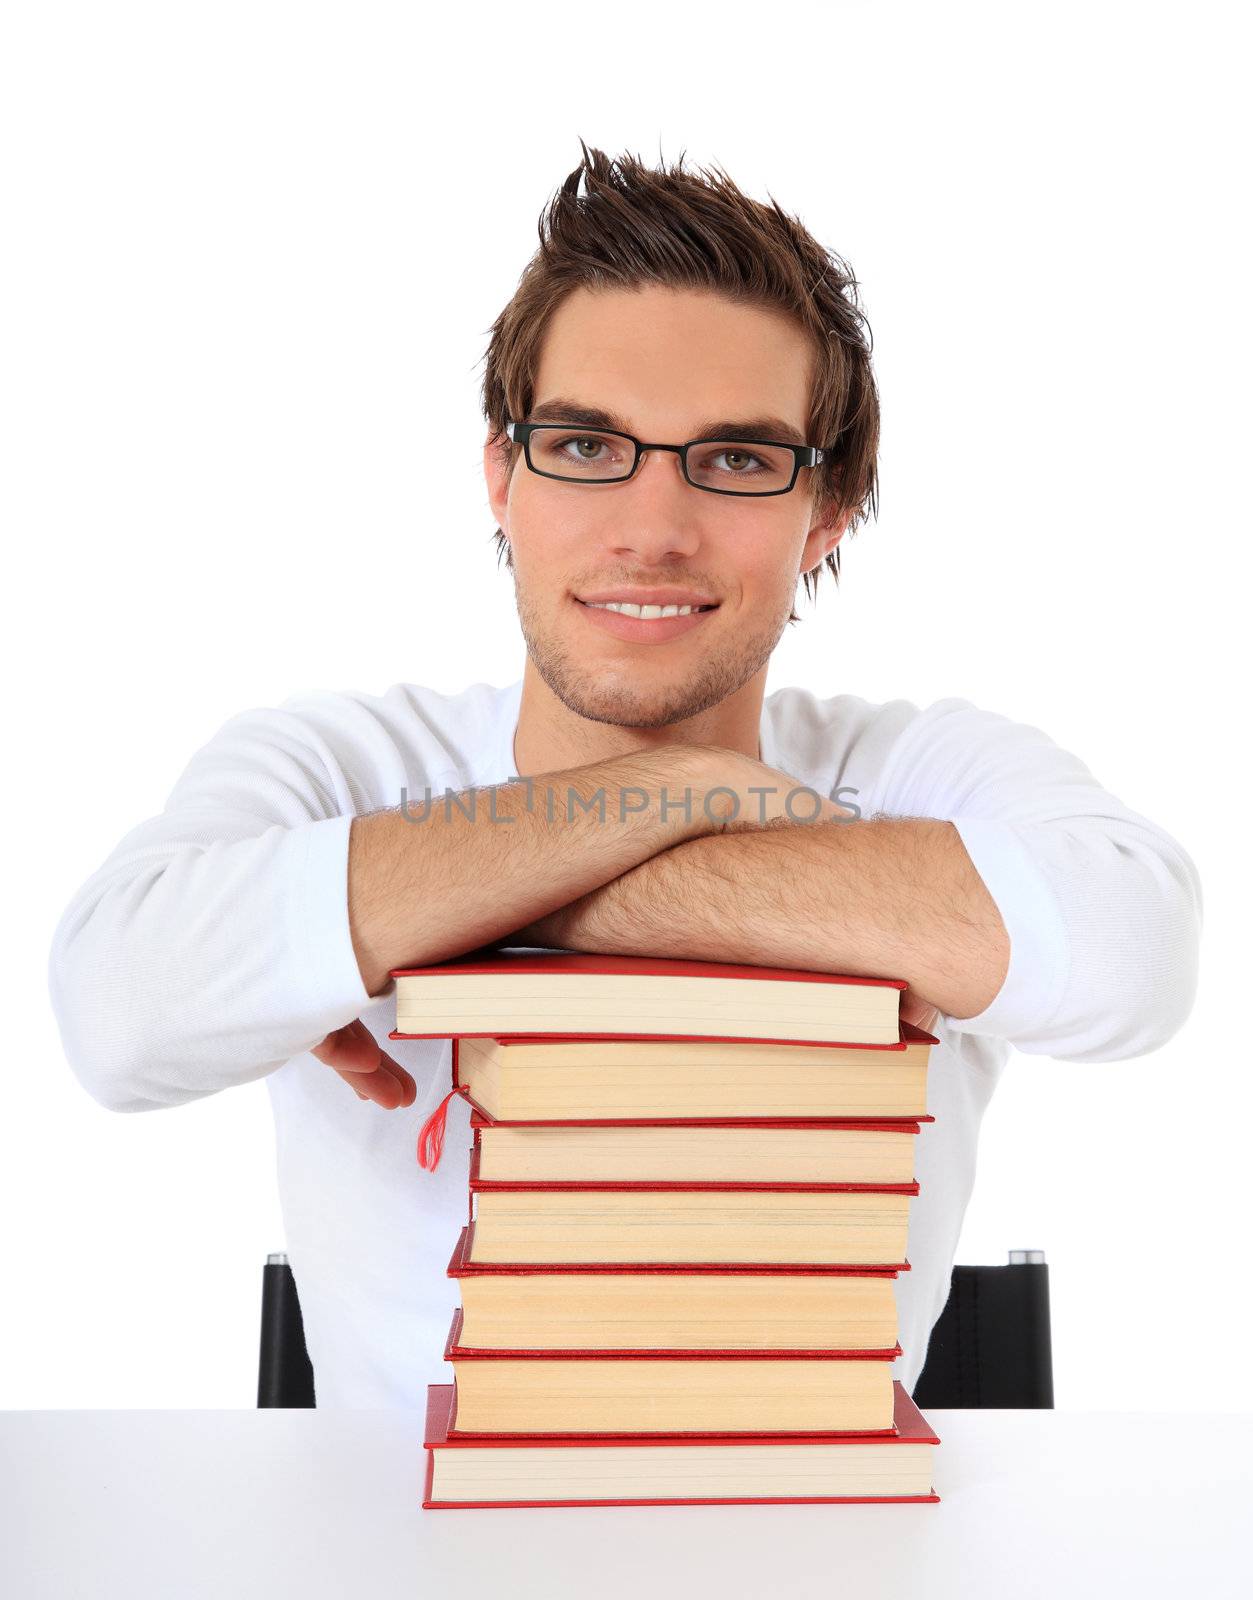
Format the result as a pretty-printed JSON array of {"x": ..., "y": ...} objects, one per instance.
[{"x": 764, "y": 429}]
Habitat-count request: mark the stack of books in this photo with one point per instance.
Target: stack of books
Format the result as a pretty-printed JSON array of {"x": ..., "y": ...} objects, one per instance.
[{"x": 689, "y": 1202}]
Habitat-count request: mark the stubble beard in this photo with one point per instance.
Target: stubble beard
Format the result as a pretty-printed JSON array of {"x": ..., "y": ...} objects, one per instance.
[{"x": 707, "y": 682}]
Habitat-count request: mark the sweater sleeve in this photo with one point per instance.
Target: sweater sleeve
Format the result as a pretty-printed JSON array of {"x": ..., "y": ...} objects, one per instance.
[
  {"x": 213, "y": 944},
  {"x": 1102, "y": 906}
]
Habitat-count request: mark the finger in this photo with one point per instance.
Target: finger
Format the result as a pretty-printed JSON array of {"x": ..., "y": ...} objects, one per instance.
[
  {"x": 355, "y": 1054},
  {"x": 344, "y": 1049},
  {"x": 370, "y": 1053},
  {"x": 408, "y": 1087},
  {"x": 918, "y": 1011},
  {"x": 331, "y": 1049},
  {"x": 387, "y": 1067},
  {"x": 389, "y": 1084},
  {"x": 366, "y": 1085},
  {"x": 375, "y": 1060},
  {"x": 350, "y": 1049},
  {"x": 381, "y": 1087}
]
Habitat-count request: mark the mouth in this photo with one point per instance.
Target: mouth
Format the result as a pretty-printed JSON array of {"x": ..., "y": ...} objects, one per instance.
[{"x": 644, "y": 624}]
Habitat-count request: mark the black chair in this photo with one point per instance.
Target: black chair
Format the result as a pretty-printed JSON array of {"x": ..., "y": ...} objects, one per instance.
[
  {"x": 992, "y": 1346},
  {"x": 285, "y": 1374}
]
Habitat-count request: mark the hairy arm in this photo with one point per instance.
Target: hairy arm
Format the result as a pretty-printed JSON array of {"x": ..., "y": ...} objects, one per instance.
[
  {"x": 419, "y": 893},
  {"x": 884, "y": 897},
  {"x": 1007, "y": 886}
]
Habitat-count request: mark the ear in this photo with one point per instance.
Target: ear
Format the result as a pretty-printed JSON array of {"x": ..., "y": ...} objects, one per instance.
[
  {"x": 496, "y": 473},
  {"x": 823, "y": 537}
]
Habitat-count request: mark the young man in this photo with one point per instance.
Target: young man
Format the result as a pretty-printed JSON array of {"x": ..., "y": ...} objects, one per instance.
[{"x": 249, "y": 929}]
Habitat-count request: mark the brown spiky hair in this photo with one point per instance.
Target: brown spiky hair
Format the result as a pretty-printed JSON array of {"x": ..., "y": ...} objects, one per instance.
[{"x": 635, "y": 225}]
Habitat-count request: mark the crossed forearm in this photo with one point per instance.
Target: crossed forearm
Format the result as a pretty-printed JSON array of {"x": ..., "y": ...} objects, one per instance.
[{"x": 887, "y": 897}]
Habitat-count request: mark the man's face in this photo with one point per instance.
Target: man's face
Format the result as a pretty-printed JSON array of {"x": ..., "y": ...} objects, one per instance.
[{"x": 666, "y": 362}]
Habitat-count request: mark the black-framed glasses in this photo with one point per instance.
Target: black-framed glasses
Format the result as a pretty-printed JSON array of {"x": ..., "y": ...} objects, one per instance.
[{"x": 574, "y": 454}]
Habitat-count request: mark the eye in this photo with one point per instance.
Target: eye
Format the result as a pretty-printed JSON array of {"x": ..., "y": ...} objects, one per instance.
[
  {"x": 740, "y": 457},
  {"x": 761, "y": 467},
  {"x": 587, "y": 445}
]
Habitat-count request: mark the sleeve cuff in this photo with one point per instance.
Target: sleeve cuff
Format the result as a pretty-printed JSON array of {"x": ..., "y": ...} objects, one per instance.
[
  {"x": 1038, "y": 947},
  {"x": 319, "y": 927}
]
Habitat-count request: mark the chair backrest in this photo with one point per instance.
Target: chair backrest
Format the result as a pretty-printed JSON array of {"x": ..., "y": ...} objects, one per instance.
[
  {"x": 285, "y": 1374},
  {"x": 993, "y": 1344}
]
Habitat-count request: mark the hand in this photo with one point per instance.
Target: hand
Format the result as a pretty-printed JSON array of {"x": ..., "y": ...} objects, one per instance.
[
  {"x": 354, "y": 1053},
  {"x": 721, "y": 769},
  {"x": 918, "y": 1011},
  {"x": 785, "y": 800}
]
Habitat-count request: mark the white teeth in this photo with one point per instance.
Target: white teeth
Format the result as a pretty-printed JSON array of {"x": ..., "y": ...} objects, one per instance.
[{"x": 629, "y": 610}]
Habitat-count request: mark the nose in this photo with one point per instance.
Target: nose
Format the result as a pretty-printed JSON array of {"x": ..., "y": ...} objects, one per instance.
[{"x": 655, "y": 515}]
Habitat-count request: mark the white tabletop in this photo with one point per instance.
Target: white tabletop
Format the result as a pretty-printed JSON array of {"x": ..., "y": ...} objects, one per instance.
[{"x": 305, "y": 1503}]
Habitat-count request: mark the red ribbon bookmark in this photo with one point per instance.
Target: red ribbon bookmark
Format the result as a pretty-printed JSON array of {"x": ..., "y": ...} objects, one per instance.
[{"x": 431, "y": 1134}]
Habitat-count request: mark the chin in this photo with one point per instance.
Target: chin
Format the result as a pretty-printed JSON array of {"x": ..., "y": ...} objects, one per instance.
[{"x": 612, "y": 693}]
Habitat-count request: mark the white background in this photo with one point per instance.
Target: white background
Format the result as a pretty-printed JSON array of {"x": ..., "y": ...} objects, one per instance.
[{"x": 252, "y": 256}]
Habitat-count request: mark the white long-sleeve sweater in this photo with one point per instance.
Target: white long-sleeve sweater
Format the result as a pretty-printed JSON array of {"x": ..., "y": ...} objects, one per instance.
[{"x": 212, "y": 948}]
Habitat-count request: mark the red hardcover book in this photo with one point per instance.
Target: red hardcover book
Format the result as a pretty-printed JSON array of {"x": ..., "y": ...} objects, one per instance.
[
  {"x": 461, "y": 1266},
  {"x": 484, "y": 1119},
  {"x": 690, "y": 1222},
  {"x": 600, "y": 1461},
  {"x": 487, "y": 1185},
  {"x": 455, "y": 1351},
  {"x": 562, "y": 962},
  {"x": 584, "y": 961}
]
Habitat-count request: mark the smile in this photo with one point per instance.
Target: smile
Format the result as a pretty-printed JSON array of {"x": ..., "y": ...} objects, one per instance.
[
  {"x": 646, "y": 624},
  {"x": 628, "y": 610}
]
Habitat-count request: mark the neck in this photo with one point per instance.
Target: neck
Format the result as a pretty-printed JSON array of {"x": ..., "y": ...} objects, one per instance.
[{"x": 550, "y": 737}]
